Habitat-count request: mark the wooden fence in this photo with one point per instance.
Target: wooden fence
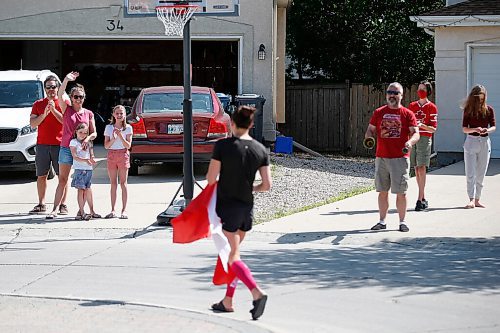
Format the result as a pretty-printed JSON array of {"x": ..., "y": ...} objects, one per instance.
[{"x": 333, "y": 118}]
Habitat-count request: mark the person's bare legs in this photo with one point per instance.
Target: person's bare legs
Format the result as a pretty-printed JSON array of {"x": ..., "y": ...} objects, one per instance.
[
  {"x": 234, "y": 239},
  {"x": 420, "y": 175},
  {"x": 228, "y": 301},
  {"x": 401, "y": 206},
  {"x": 64, "y": 170},
  {"x": 81, "y": 202},
  {"x": 90, "y": 200},
  {"x": 112, "y": 173},
  {"x": 383, "y": 204},
  {"x": 41, "y": 186},
  {"x": 123, "y": 175},
  {"x": 63, "y": 199}
]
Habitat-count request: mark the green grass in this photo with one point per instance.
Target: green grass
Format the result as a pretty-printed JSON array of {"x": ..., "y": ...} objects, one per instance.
[{"x": 341, "y": 196}]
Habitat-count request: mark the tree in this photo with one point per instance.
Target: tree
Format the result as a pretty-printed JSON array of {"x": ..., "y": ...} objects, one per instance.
[{"x": 369, "y": 41}]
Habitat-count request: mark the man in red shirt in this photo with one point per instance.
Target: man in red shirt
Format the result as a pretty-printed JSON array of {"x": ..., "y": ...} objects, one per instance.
[
  {"x": 46, "y": 115},
  {"x": 420, "y": 158},
  {"x": 395, "y": 128}
]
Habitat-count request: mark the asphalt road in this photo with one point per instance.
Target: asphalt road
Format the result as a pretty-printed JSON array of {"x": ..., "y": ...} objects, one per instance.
[{"x": 323, "y": 269}]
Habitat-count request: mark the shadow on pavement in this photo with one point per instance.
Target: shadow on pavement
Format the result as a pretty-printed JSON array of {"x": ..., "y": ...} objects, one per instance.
[
  {"x": 416, "y": 266},
  {"x": 304, "y": 237},
  {"x": 391, "y": 211}
]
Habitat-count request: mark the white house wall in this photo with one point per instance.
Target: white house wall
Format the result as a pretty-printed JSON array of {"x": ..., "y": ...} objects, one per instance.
[
  {"x": 450, "y": 65},
  {"x": 72, "y": 19}
]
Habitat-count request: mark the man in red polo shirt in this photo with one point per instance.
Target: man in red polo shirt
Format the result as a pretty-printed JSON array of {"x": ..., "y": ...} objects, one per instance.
[
  {"x": 395, "y": 128},
  {"x": 46, "y": 115}
]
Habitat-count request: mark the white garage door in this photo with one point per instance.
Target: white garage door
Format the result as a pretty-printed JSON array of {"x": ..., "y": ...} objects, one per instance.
[{"x": 486, "y": 71}]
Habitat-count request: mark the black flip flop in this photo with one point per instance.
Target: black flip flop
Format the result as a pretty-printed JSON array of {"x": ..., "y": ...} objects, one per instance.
[
  {"x": 258, "y": 307},
  {"x": 219, "y": 307}
]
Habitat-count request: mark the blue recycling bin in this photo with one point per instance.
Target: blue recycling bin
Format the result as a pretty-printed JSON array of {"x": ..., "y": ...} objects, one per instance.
[{"x": 283, "y": 144}]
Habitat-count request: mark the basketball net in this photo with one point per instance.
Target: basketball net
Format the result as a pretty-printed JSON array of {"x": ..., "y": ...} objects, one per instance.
[{"x": 175, "y": 17}]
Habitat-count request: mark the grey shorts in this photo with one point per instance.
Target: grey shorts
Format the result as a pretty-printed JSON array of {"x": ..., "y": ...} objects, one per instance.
[
  {"x": 421, "y": 152},
  {"x": 392, "y": 173},
  {"x": 45, "y": 156}
]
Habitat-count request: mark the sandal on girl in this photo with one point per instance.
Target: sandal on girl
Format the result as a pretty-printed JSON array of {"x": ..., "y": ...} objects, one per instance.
[
  {"x": 110, "y": 216},
  {"x": 51, "y": 216}
]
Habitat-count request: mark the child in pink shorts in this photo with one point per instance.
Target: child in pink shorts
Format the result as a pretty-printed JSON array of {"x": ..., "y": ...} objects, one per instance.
[{"x": 117, "y": 140}]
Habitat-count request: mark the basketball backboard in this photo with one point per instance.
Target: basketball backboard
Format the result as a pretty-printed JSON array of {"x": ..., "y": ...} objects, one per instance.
[{"x": 206, "y": 7}]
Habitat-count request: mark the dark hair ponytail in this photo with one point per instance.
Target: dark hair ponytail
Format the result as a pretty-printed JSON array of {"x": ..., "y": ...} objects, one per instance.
[
  {"x": 243, "y": 117},
  {"x": 428, "y": 87}
]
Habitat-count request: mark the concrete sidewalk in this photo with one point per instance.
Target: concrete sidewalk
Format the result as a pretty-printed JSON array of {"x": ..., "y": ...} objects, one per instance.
[{"x": 348, "y": 221}]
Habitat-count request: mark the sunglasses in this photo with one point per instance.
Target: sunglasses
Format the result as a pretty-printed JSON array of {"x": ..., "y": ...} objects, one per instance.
[
  {"x": 50, "y": 87},
  {"x": 393, "y": 92},
  {"x": 78, "y": 96}
]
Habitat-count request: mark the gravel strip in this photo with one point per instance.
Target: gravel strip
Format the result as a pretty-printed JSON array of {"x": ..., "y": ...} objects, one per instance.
[{"x": 300, "y": 180}]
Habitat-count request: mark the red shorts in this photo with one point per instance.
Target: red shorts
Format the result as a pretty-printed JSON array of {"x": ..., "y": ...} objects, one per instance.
[{"x": 118, "y": 159}]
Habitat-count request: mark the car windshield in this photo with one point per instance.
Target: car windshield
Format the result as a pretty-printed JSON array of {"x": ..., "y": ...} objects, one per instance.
[
  {"x": 19, "y": 94},
  {"x": 172, "y": 102}
]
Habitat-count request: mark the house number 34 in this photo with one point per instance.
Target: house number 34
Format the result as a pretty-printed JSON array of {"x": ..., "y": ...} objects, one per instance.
[{"x": 114, "y": 25}]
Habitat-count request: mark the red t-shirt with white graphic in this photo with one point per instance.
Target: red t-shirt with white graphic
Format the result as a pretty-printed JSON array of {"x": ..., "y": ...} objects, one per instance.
[
  {"x": 50, "y": 129},
  {"x": 393, "y": 130},
  {"x": 426, "y": 114}
]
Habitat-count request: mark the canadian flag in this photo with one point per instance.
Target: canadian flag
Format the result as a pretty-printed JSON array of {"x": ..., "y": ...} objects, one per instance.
[{"x": 199, "y": 220}]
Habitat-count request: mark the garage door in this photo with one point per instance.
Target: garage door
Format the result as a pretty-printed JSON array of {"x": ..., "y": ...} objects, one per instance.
[{"x": 486, "y": 71}]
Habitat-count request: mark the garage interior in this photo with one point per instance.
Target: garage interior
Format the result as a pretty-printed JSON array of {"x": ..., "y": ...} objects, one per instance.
[{"x": 114, "y": 71}]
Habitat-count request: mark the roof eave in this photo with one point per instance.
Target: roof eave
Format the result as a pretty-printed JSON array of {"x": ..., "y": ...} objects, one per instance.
[{"x": 456, "y": 21}]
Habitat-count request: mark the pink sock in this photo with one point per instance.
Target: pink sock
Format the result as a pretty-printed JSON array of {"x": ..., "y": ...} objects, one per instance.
[
  {"x": 231, "y": 288},
  {"x": 243, "y": 273}
]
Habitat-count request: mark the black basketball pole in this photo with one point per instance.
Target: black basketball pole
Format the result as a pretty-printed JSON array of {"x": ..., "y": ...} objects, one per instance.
[
  {"x": 187, "y": 110},
  {"x": 176, "y": 207}
]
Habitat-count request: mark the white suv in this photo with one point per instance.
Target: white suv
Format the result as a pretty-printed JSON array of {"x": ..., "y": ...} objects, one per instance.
[{"x": 19, "y": 89}]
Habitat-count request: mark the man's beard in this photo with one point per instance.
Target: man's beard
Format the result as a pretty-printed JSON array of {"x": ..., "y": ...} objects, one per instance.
[{"x": 391, "y": 101}]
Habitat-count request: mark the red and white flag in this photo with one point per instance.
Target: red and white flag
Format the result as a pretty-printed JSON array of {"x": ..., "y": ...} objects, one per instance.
[{"x": 199, "y": 220}]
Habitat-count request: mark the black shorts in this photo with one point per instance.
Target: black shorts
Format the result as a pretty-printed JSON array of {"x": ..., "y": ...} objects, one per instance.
[
  {"x": 235, "y": 215},
  {"x": 45, "y": 156}
]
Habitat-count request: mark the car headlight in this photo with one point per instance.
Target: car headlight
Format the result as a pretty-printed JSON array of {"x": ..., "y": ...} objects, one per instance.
[{"x": 27, "y": 130}]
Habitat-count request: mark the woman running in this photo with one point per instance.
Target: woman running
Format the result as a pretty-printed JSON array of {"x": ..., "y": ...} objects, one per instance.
[{"x": 235, "y": 161}]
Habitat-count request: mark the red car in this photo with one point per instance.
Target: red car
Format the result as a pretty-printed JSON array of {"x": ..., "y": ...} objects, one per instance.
[{"x": 156, "y": 118}]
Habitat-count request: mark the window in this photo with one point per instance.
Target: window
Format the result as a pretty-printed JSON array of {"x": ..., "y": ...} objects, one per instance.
[
  {"x": 19, "y": 94},
  {"x": 172, "y": 102}
]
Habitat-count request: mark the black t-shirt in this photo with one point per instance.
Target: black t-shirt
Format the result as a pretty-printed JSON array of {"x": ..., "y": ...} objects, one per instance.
[{"x": 240, "y": 160}]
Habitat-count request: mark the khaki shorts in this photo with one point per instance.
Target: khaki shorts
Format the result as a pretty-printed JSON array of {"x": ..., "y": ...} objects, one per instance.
[
  {"x": 421, "y": 152},
  {"x": 392, "y": 173}
]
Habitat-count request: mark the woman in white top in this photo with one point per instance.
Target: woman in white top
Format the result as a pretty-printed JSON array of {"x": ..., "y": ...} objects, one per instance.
[{"x": 117, "y": 140}]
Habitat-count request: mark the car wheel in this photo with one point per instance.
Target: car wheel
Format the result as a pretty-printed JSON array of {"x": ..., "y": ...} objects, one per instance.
[{"x": 134, "y": 169}]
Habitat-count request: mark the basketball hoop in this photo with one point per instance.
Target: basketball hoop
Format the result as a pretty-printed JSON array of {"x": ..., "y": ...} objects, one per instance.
[{"x": 175, "y": 17}]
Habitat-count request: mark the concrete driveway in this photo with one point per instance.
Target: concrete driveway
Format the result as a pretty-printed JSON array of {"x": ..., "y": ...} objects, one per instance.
[{"x": 149, "y": 194}]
